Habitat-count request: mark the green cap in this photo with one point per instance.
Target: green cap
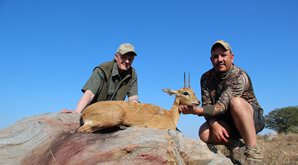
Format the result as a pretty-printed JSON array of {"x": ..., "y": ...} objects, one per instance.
[
  {"x": 126, "y": 48},
  {"x": 223, "y": 43}
]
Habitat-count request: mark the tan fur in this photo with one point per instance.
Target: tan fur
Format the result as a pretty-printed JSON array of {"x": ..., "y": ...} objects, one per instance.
[{"x": 108, "y": 114}]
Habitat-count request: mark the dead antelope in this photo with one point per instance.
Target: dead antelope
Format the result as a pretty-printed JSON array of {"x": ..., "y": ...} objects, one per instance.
[{"x": 107, "y": 114}]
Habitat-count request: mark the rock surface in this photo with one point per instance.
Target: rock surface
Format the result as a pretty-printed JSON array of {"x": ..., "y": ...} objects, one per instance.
[{"x": 52, "y": 139}]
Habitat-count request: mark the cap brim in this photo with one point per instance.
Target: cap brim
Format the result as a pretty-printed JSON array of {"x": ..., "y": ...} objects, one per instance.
[{"x": 130, "y": 52}]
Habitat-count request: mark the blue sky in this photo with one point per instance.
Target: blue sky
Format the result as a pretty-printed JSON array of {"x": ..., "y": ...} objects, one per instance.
[{"x": 49, "y": 48}]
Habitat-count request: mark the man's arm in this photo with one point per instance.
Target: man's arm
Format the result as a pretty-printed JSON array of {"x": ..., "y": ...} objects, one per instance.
[
  {"x": 235, "y": 87},
  {"x": 82, "y": 103},
  {"x": 133, "y": 91}
]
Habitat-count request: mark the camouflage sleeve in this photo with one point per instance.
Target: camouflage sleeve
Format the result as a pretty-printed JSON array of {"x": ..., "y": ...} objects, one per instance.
[
  {"x": 205, "y": 96},
  {"x": 234, "y": 87},
  {"x": 207, "y": 102}
]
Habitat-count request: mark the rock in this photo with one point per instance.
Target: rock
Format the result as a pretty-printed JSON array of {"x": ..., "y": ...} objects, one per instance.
[{"x": 52, "y": 139}]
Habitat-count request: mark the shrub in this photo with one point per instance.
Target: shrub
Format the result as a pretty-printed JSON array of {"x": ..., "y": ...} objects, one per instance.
[{"x": 283, "y": 120}]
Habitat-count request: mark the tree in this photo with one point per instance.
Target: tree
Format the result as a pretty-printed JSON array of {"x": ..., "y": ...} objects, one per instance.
[{"x": 283, "y": 120}]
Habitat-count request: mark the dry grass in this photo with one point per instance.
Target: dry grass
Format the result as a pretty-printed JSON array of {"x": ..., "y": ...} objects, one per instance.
[{"x": 281, "y": 149}]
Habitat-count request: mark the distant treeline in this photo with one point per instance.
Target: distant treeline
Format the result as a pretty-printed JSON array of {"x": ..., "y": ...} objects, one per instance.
[{"x": 283, "y": 120}]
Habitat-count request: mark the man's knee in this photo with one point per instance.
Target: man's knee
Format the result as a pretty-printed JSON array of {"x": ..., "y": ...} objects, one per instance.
[
  {"x": 238, "y": 104},
  {"x": 204, "y": 133}
]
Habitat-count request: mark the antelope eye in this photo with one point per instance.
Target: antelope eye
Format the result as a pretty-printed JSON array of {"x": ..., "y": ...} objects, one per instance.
[{"x": 185, "y": 93}]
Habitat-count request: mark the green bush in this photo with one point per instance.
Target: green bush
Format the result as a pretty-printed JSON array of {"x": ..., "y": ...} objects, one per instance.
[{"x": 283, "y": 120}]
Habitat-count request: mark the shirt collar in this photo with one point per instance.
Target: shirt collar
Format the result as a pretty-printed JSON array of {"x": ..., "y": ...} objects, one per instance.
[
  {"x": 115, "y": 71},
  {"x": 224, "y": 75}
]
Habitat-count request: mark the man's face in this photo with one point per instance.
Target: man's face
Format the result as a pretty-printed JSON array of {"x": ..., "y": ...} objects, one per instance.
[
  {"x": 124, "y": 62},
  {"x": 221, "y": 59}
]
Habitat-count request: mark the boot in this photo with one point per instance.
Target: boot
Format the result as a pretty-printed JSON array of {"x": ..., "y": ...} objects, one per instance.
[
  {"x": 236, "y": 148},
  {"x": 254, "y": 156}
]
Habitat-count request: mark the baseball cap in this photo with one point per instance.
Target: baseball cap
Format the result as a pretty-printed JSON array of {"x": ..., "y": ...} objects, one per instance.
[
  {"x": 223, "y": 43},
  {"x": 126, "y": 48}
]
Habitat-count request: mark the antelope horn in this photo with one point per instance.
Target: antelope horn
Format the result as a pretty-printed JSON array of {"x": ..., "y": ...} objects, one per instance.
[
  {"x": 184, "y": 81},
  {"x": 188, "y": 80}
]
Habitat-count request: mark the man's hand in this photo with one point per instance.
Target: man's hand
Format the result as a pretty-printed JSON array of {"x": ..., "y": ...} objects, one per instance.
[
  {"x": 220, "y": 134},
  {"x": 68, "y": 111},
  {"x": 185, "y": 109}
]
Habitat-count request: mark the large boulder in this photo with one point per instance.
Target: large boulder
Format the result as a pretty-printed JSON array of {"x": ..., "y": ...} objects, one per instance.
[{"x": 52, "y": 139}]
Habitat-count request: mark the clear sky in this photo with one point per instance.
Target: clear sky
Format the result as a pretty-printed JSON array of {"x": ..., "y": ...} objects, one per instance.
[{"x": 49, "y": 48}]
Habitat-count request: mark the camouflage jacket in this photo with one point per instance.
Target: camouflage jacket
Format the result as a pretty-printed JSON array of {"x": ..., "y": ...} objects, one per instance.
[{"x": 217, "y": 89}]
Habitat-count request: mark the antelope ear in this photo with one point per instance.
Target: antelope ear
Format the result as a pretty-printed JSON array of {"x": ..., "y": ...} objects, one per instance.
[{"x": 170, "y": 91}]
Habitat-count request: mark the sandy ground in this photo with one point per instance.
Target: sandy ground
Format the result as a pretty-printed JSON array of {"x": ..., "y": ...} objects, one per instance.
[{"x": 281, "y": 149}]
